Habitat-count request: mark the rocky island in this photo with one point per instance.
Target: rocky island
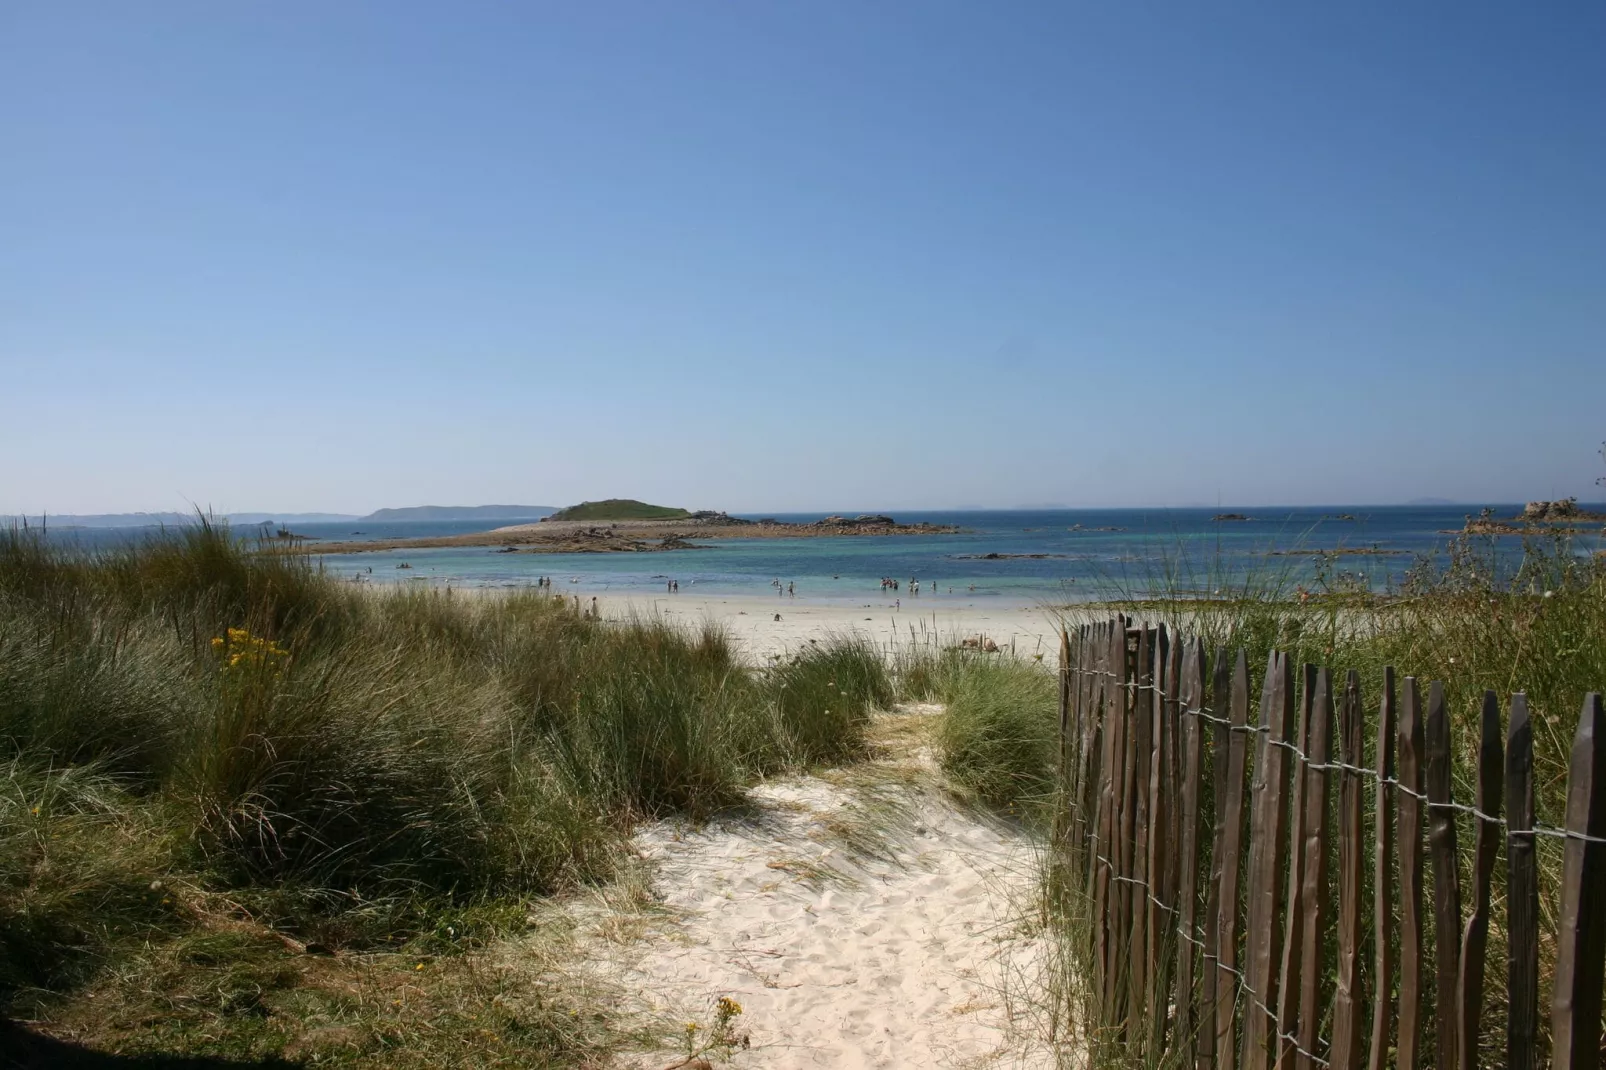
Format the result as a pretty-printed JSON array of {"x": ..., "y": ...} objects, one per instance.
[
  {"x": 622, "y": 525},
  {"x": 1562, "y": 517}
]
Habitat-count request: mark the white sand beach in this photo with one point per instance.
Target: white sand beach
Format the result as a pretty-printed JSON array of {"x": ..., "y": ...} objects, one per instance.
[{"x": 766, "y": 626}]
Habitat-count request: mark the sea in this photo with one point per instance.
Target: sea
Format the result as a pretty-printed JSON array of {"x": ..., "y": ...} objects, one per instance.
[{"x": 1001, "y": 556}]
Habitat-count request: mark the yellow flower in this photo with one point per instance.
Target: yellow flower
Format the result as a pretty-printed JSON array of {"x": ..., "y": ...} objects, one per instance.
[
  {"x": 728, "y": 1008},
  {"x": 420, "y": 966}
]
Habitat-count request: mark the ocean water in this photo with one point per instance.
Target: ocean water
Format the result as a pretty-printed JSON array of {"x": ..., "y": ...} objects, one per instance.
[
  {"x": 1083, "y": 559},
  {"x": 1148, "y": 549}
]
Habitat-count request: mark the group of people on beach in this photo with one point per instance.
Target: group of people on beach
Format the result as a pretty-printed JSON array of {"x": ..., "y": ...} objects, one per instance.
[
  {"x": 784, "y": 590},
  {"x": 888, "y": 583},
  {"x": 672, "y": 586}
]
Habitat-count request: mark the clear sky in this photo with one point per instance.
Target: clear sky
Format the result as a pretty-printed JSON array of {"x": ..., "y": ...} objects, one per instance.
[{"x": 769, "y": 256}]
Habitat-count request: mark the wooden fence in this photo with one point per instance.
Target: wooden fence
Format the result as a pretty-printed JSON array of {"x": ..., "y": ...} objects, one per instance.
[{"x": 1227, "y": 922}]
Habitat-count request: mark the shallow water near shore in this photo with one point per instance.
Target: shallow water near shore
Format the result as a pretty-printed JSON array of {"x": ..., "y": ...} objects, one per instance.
[
  {"x": 1058, "y": 556},
  {"x": 1044, "y": 556}
]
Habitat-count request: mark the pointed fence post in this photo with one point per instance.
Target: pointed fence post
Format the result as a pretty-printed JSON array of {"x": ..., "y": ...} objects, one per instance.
[
  {"x": 1288, "y": 984},
  {"x": 1475, "y": 941},
  {"x": 1231, "y": 868},
  {"x": 1347, "y": 997},
  {"x": 1268, "y": 859},
  {"x": 1522, "y": 894},
  {"x": 1410, "y": 799},
  {"x": 1581, "y": 941},
  {"x": 1446, "y": 878},
  {"x": 1190, "y": 693},
  {"x": 1315, "y": 901},
  {"x": 1382, "y": 883}
]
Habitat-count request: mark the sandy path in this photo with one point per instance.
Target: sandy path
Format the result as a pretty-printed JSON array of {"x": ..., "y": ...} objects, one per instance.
[{"x": 861, "y": 920}]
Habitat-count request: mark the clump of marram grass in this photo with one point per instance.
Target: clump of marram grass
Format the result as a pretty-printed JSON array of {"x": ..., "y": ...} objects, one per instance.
[
  {"x": 86, "y": 687},
  {"x": 824, "y": 696},
  {"x": 81, "y": 862},
  {"x": 998, "y": 735},
  {"x": 339, "y": 768},
  {"x": 920, "y": 672}
]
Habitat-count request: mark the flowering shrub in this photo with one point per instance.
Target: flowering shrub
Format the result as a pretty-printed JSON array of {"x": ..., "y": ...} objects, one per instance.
[
  {"x": 242, "y": 650},
  {"x": 722, "y": 1037}
]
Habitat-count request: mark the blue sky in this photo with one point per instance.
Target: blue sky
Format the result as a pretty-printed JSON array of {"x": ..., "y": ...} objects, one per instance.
[{"x": 300, "y": 256}]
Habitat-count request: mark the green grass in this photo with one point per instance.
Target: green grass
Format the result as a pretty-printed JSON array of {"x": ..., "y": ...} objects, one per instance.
[
  {"x": 619, "y": 509},
  {"x": 998, "y": 736},
  {"x": 200, "y": 742}
]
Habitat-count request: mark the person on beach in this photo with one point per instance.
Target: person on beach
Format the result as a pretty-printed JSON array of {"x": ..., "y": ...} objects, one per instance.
[{"x": 791, "y": 589}]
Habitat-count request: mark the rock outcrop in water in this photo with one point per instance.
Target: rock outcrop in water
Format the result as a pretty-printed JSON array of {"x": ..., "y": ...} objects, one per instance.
[{"x": 1566, "y": 509}]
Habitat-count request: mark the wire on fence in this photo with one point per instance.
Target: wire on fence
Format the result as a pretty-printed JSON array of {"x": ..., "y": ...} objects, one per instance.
[{"x": 1206, "y": 714}]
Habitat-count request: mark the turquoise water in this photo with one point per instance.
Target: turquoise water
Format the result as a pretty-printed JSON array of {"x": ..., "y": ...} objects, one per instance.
[{"x": 1203, "y": 554}]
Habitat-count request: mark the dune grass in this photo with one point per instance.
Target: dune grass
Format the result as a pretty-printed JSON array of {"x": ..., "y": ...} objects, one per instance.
[
  {"x": 998, "y": 737},
  {"x": 205, "y": 751}
]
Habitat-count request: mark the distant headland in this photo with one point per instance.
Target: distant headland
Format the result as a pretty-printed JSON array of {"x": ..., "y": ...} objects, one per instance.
[{"x": 411, "y": 513}]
